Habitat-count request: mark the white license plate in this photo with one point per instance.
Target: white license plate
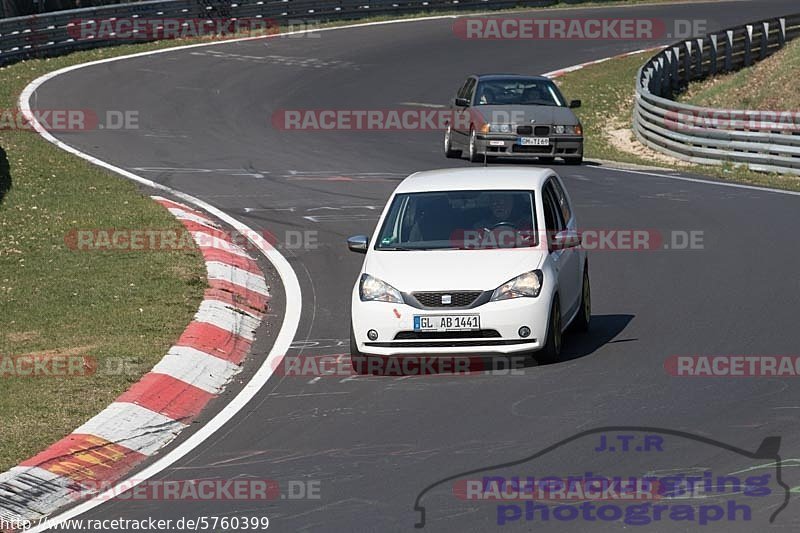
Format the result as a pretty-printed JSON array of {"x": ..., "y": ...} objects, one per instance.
[
  {"x": 534, "y": 141},
  {"x": 447, "y": 322}
]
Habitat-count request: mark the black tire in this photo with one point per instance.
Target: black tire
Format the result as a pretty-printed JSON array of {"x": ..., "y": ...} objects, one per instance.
[
  {"x": 357, "y": 359},
  {"x": 584, "y": 317},
  {"x": 448, "y": 144},
  {"x": 551, "y": 352},
  {"x": 573, "y": 160},
  {"x": 474, "y": 156},
  {"x": 547, "y": 160}
]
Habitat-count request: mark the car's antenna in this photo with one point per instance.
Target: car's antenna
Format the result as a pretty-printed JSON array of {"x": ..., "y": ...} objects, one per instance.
[{"x": 485, "y": 159}]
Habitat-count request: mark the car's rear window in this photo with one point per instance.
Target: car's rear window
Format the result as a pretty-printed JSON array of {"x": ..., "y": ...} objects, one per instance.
[{"x": 459, "y": 220}]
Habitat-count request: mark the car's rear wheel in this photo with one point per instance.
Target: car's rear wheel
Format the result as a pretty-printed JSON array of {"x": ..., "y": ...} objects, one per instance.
[
  {"x": 584, "y": 317},
  {"x": 448, "y": 144},
  {"x": 474, "y": 156},
  {"x": 551, "y": 352},
  {"x": 357, "y": 359}
]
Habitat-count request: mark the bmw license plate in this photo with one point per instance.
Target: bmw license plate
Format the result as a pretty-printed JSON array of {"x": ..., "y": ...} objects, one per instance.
[
  {"x": 534, "y": 141},
  {"x": 447, "y": 322}
]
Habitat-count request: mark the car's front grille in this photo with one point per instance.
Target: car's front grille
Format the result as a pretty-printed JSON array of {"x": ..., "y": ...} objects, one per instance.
[
  {"x": 531, "y": 149},
  {"x": 541, "y": 131},
  {"x": 524, "y": 130},
  {"x": 457, "y": 299},
  {"x": 434, "y": 335}
]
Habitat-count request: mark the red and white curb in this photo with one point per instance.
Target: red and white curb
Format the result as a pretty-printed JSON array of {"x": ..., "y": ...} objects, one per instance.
[
  {"x": 558, "y": 73},
  {"x": 151, "y": 413}
]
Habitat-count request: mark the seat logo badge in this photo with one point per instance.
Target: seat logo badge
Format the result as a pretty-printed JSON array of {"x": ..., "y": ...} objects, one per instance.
[{"x": 447, "y": 299}]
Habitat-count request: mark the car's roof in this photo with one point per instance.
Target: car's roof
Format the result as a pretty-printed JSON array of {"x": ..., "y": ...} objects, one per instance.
[
  {"x": 510, "y": 76},
  {"x": 476, "y": 178}
]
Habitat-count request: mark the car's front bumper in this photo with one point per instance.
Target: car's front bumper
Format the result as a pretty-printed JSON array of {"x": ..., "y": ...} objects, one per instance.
[
  {"x": 394, "y": 324},
  {"x": 500, "y": 145}
]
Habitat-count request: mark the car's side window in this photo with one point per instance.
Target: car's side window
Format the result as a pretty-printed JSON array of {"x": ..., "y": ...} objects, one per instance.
[
  {"x": 552, "y": 214},
  {"x": 561, "y": 199},
  {"x": 463, "y": 90},
  {"x": 470, "y": 90}
]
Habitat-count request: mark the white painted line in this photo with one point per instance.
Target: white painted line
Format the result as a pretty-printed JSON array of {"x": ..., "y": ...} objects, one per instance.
[
  {"x": 703, "y": 181},
  {"x": 200, "y": 369},
  {"x": 237, "y": 276},
  {"x": 285, "y": 272},
  {"x": 133, "y": 426},
  {"x": 228, "y": 318}
]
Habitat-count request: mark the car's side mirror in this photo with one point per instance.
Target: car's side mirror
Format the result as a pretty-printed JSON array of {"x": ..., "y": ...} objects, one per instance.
[
  {"x": 462, "y": 102},
  {"x": 568, "y": 238},
  {"x": 574, "y": 104},
  {"x": 358, "y": 243}
]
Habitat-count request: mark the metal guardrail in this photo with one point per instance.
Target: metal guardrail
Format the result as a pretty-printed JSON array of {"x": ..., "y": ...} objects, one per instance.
[
  {"x": 761, "y": 140},
  {"x": 54, "y": 33}
]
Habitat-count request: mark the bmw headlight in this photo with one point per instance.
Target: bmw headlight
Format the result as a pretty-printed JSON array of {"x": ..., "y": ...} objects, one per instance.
[
  {"x": 526, "y": 285},
  {"x": 373, "y": 289},
  {"x": 496, "y": 128},
  {"x": 569, "y": 130}
]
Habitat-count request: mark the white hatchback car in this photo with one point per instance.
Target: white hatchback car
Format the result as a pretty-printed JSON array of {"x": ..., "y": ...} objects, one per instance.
[{"x": 471, "y": 261}]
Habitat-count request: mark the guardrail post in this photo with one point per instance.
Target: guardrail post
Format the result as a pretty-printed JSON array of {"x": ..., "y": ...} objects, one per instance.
[
  {"x": 699, "y": 65},
  {"x": 674, "y": 81},
  {"x": 687, "y": 62},
  {"x": 762, "y": 51},
  {"x": 712, "y": 55},
  {"x": 728, "y": 50},
  {"x": 782, "y": 32},
  {"x": 748, "y": 45}
]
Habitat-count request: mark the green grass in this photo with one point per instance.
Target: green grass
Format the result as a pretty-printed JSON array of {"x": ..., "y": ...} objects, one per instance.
[
  {"x": 128, "y": 306},
  {"x": 607, "y": 92},
  {"x": 769, "y": 85}
]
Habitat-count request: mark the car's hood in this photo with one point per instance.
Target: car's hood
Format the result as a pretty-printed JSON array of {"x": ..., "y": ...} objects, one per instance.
[
  {"x": 451, "y": 270},
  {"x": 523, "y": 114}
]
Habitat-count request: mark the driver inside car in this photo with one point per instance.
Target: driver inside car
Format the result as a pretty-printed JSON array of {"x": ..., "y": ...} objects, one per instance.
[{"x": 501, "y": 226}]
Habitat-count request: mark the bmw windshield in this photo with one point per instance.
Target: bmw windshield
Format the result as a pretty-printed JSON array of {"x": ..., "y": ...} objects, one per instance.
[{"x": 518, "y": 91}]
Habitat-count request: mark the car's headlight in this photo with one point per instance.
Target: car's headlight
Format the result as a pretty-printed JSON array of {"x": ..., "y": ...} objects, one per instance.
[
  {"x": 496, "y": 128},
  {"x": 526, "y": 285},
  {"x": 373, "y": 289},
  {"x": 570, "y": 130}
]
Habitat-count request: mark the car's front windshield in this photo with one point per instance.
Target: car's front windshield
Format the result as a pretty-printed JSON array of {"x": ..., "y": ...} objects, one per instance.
[
  {"x": 518, "y": 91},
  {"x": 459, "y": 220}
]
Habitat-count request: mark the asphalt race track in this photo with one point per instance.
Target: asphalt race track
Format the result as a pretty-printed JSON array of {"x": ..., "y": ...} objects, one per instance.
[{"x": 374, "y": 443}]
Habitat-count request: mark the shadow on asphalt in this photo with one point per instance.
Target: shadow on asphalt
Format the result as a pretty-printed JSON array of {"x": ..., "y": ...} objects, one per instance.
[
  {"x": 5, "y": 175},
  {"x": 603, "y": 330}
]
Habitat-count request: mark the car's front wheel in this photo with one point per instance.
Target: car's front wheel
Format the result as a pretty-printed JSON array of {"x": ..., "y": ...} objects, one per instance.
[
  {"x": 551, "y": 351},
  {"x": 448, "y": 144},
  {"x": 581, "y": 322},
  {"x": 574, "y": 160},
  {"x": 474, "y": 156}
]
